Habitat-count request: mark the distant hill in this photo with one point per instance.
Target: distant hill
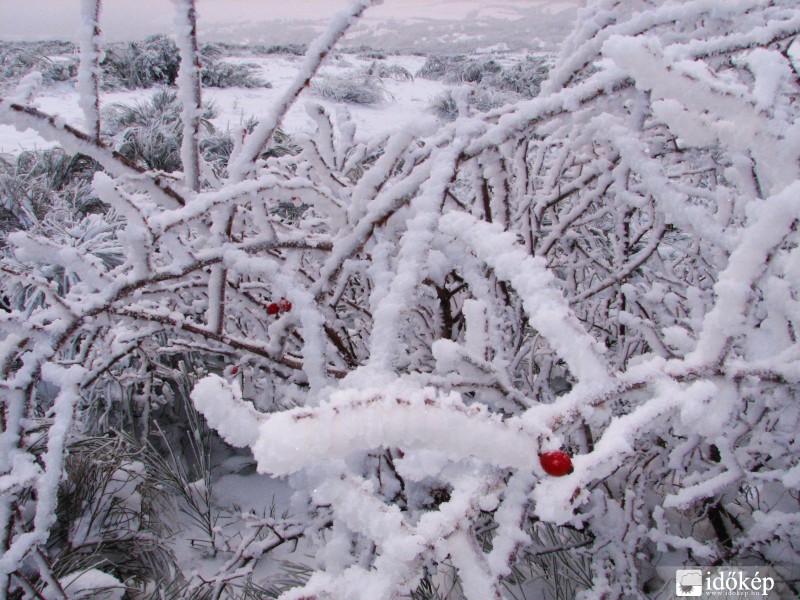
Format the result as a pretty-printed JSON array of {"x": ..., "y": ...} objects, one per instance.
[
  {"x": 509, "y": 24},
  {"x": 396, "y": 25}
]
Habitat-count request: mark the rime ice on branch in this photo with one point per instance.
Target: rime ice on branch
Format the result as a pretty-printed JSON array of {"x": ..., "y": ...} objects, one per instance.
[
  {"x": 189, "y": 87},
  {"x": 89, "y": 66}
]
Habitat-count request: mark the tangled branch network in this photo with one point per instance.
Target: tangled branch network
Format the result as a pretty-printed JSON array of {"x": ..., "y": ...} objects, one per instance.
[{"x": 610, "y": 268}]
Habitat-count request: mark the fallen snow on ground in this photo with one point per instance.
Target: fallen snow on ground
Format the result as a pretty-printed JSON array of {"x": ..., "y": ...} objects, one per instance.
[{"x": 406, "y": 100}]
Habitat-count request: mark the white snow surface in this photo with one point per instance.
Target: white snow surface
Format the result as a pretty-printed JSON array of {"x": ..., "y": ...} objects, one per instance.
[
  {"x": 92, "y": 583},
  {"x": 406, "y": 101}
]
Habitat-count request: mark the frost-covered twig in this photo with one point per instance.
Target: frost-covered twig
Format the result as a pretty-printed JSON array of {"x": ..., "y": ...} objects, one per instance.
[
  {"x": 316, "y": 53},
  {"x": 189, "y": 86},
  {"x": 89, "y": 67}
]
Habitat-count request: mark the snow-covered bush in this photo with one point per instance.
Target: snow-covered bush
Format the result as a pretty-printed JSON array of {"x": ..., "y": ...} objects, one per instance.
[
  {"x": 54, "y": 60},
  {"x": 220, "y": 73},
  {"x": 149, "y": 132},
  {"x": 217, "y": 148},
  {"x": 38, "y": 184},
  {"x": 368, "y": 53},
  {"x": 154, "y": 61},
  {"x": 142, "y": 64},
  {"x": 223, "y": 74},
  {"x": 112, "y": 509},
  {"x": 525, "y": 77},
  {"x": 481, "y": 99},
  {"x": 445, "y": 106},
  {"x": 288, "y": 49},
  {"x": 388, "y": 71},
  {"x": 459, "y": 69},
  {"x": 351, "y": 88},
  {"x": 609, "y": 269}
]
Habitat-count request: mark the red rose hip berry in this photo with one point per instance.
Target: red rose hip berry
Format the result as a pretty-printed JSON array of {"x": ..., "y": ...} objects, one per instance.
[
  {"x": 556, "y": 463},
  {"x": 273, "y": 309},
  {"x": 285, "y": 305}
]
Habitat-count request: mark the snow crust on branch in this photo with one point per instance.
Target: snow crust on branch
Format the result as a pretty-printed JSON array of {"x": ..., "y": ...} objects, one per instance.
[
  {"x": 363, "y": 419},
  {"x": 88, "y": 83},
  {"x": 189, "y": 88},
  {"x": 316, "y": 53},
  {"x": 545, "y": 306},
  {"x": 221, "y": 403}
]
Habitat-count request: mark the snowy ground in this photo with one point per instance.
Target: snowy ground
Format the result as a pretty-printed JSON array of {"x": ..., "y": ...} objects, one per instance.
[
  {"x": 407, "y": 98},
  {"x": 410, "y": 28},
  {"x": 406, "y": 101}
]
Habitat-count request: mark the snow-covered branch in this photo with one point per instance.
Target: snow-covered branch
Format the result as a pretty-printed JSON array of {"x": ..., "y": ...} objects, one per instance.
[
  {"x": 89, "y": 68},
  {"x": 189, "y": 85}
]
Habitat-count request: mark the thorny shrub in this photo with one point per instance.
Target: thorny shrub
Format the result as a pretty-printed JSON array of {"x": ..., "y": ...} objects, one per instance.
[{"x": 608, "y": 269}]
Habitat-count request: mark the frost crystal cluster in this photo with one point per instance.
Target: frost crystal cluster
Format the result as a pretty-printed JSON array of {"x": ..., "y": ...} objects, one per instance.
[{"x": 611, "y": 268}]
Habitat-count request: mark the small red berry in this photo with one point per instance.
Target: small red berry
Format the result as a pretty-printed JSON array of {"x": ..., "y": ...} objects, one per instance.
[
  {"x": 285, "y": 305},
  {"x": 273, "y": 309},
  {"x": 556, "y": 463},
  {"x": 234, "y": 370}
]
